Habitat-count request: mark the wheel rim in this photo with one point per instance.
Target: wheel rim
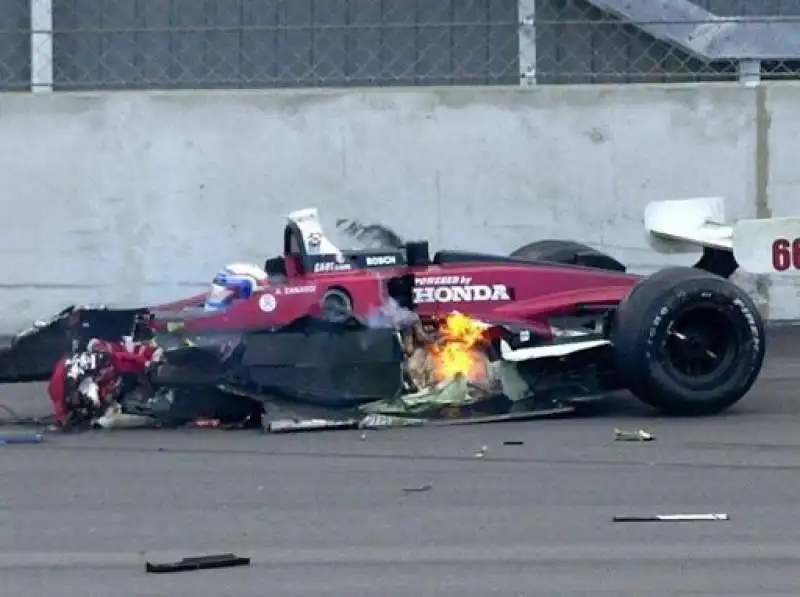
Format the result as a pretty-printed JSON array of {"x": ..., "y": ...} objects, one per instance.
[
  {"x": 336, "y": 306},
  {"x": 702, "y": 343}
]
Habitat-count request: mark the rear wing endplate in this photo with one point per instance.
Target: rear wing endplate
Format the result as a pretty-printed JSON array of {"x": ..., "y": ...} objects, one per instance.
[{"x": 760, "y": 246}]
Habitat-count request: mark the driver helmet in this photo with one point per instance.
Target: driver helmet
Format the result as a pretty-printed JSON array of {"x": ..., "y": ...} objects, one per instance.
[{"x": 234, "y": 282}]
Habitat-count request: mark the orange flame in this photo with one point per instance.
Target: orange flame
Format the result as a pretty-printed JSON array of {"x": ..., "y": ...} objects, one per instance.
[{"x": 458, "y": 350}]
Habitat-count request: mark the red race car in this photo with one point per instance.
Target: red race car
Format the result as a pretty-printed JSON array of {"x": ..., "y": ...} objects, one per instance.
[{"x": 570, "y": 319}]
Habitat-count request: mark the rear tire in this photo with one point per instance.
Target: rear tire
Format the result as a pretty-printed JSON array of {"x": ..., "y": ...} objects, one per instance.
[{"x": 687, "y": 342}]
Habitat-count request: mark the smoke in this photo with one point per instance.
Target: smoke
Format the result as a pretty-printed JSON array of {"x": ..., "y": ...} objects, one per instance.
[
  {"x": 391, "y": 315},
  {"x": 377, "y": 236},
  {"x": 370, "y": 236}
]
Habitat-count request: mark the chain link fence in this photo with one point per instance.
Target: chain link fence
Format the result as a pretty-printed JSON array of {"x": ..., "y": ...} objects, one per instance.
[
  {"x": 595, "y": 41},
  {"x": 173, "y": 44},
  {"x": 283, "y": 43},
  {"x": 15, "y": 45}
]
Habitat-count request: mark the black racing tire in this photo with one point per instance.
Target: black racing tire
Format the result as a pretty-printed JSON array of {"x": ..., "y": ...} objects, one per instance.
[
  {"x": 567, "y": 252},
  {"x": 337, "y": 305},
  {"x": 687, "y": 342}
]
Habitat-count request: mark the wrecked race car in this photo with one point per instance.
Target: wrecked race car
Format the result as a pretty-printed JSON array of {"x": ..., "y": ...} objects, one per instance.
[
  {"x": 114, "y": 384},
  {"x": 396, "y": 372},
  {"x": 557, "y": 326},
  {"x": 87, "y": 386}
]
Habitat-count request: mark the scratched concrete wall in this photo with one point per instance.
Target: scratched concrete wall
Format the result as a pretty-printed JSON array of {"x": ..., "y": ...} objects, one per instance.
[{"x": 128, "y": 198}]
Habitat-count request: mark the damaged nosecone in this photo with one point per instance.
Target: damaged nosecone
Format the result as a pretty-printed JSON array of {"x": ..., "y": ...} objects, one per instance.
[{"x": 386, "y": 369}]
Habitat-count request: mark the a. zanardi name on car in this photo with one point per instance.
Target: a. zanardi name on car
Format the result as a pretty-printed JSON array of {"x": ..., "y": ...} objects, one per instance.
[
  {"x": 300, "y": 289},
  {"x": 308, "y": 289},
  {"x": 457, "y": 289}
]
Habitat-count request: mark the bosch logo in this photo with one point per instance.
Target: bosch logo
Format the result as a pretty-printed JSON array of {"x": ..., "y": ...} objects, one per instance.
[{"x": 382, "y": 260}]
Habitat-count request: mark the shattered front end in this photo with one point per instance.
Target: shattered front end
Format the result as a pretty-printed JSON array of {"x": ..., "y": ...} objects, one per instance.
[{"x": 32, "y": 354}]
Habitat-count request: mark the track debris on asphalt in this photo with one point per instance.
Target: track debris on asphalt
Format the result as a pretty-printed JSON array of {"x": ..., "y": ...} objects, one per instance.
[
  {"x": 21, "y": 438},
  {"x": 633, "y": 436},
  {"x": 674, "y": 518},
  {"x": 226, "y": 560}
]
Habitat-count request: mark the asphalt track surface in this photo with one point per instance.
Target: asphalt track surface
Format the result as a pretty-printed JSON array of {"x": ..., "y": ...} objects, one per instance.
[{"x": 327, "y": 514}]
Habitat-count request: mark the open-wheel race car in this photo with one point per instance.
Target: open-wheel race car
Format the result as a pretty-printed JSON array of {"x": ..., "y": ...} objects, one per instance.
[{"x": 325, "y": 326}]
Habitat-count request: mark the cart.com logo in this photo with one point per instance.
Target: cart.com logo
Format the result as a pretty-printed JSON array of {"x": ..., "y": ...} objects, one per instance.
[
  {"x": 329, "y": 266},
  {"x": 456, "y": 289}
]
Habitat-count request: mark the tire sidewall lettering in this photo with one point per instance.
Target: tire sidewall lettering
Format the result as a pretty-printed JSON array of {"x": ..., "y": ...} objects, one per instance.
[{"x": 742, "y": 316}]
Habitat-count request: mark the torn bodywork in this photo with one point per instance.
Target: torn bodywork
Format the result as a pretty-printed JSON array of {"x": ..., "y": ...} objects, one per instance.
[
  {"x": 166, "y": 376},
  {"x": 390, "y": 368},
  {"x": 32, "y": 354}
]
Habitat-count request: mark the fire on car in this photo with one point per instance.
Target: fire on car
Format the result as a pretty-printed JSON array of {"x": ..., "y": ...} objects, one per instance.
[{"x": 459, "y": 349}]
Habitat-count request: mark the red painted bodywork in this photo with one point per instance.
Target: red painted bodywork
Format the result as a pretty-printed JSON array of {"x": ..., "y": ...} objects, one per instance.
[
  {"x": 541, "y": 290},
  {"x": 124, "y": 360}
]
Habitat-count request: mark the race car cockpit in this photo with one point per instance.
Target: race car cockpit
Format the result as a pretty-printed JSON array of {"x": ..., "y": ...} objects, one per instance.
[
  {"x": 305, "y": 245},
  {"x": 235, "y": 282},
  {"x": 308, "y": 250}
]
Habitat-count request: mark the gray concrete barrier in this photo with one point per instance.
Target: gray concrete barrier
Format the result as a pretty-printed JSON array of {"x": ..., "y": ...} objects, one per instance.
[{"x": 127, "y": 198}]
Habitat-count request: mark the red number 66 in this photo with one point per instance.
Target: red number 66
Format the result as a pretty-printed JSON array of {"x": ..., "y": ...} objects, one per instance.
[{"x": 785, "y": 254}]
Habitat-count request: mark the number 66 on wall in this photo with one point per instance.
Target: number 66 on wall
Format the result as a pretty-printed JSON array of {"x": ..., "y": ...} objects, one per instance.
[
  {"x": 768, "y": 246},
  {"x": 785, "y": 254}
]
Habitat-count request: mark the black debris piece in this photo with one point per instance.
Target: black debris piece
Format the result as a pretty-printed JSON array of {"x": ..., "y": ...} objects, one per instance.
[
  {"x": 513, "y": 443},
  {"x": 226, "y": 560},
  {"x": 417, "y": 489}
]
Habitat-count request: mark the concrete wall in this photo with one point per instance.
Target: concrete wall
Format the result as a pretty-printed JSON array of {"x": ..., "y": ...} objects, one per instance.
[
  {"x": 779, "y": 167},
  {"x": 131, "y": 198}
]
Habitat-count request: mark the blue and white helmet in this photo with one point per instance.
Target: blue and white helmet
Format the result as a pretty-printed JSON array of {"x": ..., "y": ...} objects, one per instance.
[{"x": 234, "y": 282}]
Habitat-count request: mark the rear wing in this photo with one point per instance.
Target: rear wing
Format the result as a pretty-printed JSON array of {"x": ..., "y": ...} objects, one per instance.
[{"x": 759, "y": 246}]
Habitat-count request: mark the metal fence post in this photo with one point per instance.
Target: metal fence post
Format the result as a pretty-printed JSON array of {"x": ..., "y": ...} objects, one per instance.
[
  {"x": 527, "y": 41},
  {"x": 41, "y": 45},
  {"x": 749, "y": 71},
  {"x": 750, "y": 75}
]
